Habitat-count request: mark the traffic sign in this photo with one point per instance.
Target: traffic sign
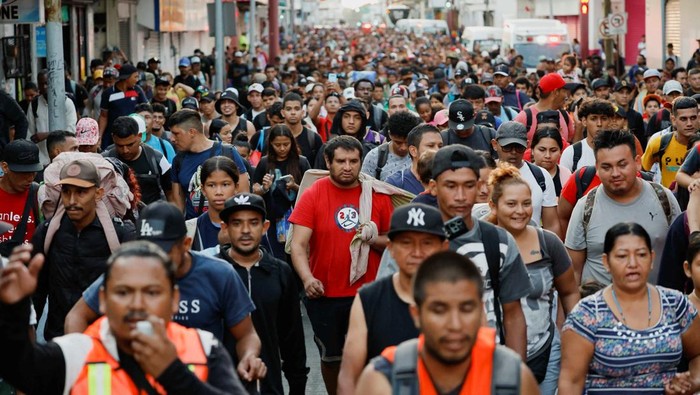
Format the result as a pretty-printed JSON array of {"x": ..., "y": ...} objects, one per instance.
[
  {"x": 604, "y": 28},
  {"x": 617, "y": 23}
]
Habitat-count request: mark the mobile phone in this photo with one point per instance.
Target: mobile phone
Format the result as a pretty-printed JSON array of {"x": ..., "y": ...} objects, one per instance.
[
  {"x": 333, "y": 77},
  {"x": 145, "y": 327},
  {"x": 286, "y": 178},
  {"x": 455, "y": 228}
]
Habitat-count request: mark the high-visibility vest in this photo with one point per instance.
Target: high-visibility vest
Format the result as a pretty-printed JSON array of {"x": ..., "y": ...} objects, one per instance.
[
  {"x": 102, "y": 375},
  {"x": 479, "y": 376}
]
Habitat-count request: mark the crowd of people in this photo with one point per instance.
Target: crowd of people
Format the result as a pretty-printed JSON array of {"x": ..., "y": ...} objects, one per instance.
[{"x": 448, "y": 221}]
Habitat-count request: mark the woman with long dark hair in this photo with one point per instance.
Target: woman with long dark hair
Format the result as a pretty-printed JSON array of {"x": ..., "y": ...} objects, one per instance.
[{"x": 277, "y": 179}]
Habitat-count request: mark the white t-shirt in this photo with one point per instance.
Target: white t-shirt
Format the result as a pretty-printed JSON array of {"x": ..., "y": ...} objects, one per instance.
[
  {"x": 587, "y": 156},
  {"x": 540, "y": 199}
]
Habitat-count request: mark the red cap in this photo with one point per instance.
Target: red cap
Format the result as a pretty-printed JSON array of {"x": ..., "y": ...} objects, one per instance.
[{"x": 551, "y": 82}]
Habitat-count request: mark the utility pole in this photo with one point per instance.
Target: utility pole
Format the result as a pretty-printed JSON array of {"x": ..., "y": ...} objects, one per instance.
[
  {"x": 219, "y": 43},
  {"x": 251, "y": 34},
  {"x": 54, "y": 59},
  {"x": 608, "y": 43},
  {"x": 273, "y": 16}
]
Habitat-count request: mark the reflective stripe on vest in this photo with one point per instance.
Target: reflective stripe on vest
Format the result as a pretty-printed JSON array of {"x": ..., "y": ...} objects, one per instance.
[
  {"x": 102, "y": 374},
  {"x": 479, "y": 377}
]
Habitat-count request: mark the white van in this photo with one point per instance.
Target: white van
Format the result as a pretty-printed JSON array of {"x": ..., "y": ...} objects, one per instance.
[
  {"x": 422, "y": 26},
  {"x": 482, "y": 38},
  {"x": 534, "y": 38}
]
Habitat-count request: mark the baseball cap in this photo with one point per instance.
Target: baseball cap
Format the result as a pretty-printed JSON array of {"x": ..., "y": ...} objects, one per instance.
[
  {"x": 184, "y": 62},
  {"x": 162, "y": 224},
  {"x": 573, "y": 86},
  {"x": 255, "y": 88},
  {"x": 153, "y": 60},
  {"x": 487, "y": 77},
  {"x": 87, "y": 131},
  {"x": 440, "y": 118},
  {"x": 162, "y": 81},
  {"x": 453, "y": 157},
  {"x": 485, "y": 118},
  {"x": 139, "y": 121},
  {"x": 512, "y": 132},
  {"x": 672, "y": 86},
  {"x": 191, "y": 103},
  {"x": 548, "y": 116},
  {"x": 207, "y": 97},
  {"x": 22, "y": 156},
  {"x": 619, "y": 111},
  {"x": 502, "y": 69},
  {"x": 195, "y": 59},
  {"x": 417, "y": 217},
  {"x": 652, "y": 73},
  {"x": 460, "y": 73},
  {"x": 461, "y": 115},
  {"x": 599, "y": 83},
  {"x": 493, "y": 94},
  {"x": 622, "y": 85},
  {"x": 81, "y": 173},
  {"x": 551, "y": 82},
  {"x": 400, "y": 91},
  {"x": 126, "y": 71},
  {"x": 97, "y": 74},
  {"x": 110, "y": 72},
  {"x": 237, "y": 54},
  {"x": 243, "y": 201}
]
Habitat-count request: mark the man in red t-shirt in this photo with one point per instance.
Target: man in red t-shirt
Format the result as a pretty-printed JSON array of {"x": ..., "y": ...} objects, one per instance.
[
  {"x": 20, "y": 165},
  {"x": 326, "y": 218}
]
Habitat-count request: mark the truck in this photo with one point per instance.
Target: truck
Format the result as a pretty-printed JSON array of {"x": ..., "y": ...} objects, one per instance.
[
  {"x": 534, "y": 39},
  {"x": 482, "y": 38}
]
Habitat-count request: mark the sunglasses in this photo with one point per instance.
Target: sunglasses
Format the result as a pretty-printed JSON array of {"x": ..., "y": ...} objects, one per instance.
[{"x": 513, "y": 147}]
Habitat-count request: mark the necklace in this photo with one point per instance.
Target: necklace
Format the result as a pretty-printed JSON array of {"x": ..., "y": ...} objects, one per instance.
[{"x": 619, "y": 308}]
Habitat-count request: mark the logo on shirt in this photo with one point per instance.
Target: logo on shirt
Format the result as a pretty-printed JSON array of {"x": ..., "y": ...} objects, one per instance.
[
  {"x": 347, "y": 218},
  {"x": 415, "y": 217}
]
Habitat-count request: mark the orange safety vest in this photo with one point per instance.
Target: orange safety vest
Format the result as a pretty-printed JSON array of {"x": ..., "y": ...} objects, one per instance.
[
  {"x": 480, "y": 374},
  {"x": 102, "y": 375}
]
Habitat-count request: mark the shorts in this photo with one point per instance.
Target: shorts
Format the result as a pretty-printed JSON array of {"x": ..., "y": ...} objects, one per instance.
[{"x": 329, "y": 318}]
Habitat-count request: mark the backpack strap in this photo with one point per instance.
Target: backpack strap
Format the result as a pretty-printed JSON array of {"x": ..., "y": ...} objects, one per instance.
[
  {"x": 565, "y": 115},
  {"x": 583, "y": 178},
  {"x": 538, "y": 174},
  {"x": 491, "y": 242},
  {"x": 29, "y": 206},
  {"x": 382, "y": 157},
  {"x": 151, "y": 158},
  {"x": 663, "y": 146},
  {"x": 588, "y": 209},
  {"x": 312, "y": 142},
  {"x": 578, "y": 152},
  {"x": 663, "y": 199},
  {"x": 162, "y": 146},
  {"x": 404, "y": 377},
  {"x": 528, "y": 118},
  {"x": 506, "y": 372},
  {"x": 35, "y": 108}
]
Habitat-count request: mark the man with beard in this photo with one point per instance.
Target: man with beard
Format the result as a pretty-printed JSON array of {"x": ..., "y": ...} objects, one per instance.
[
  {"x": 78, "y": 253},
  {"x": 454, "y": 353},
  {"x": 119, "y": 100},
  {"x": 328, "y": 217},
  {"x": 273, "y": 288}
]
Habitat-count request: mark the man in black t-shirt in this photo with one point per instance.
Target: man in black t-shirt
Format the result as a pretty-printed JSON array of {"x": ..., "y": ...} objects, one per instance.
[
  {"x": 238, "y": 72},
  {"x": 186, "y": 76},
  {"x": 118, "y": 100},
  {"x": 160, "y": 96},
  {"x": 463, "y": 131},
  {"x": 151, "y": 168},
  {"x": 379, "y": 316}
]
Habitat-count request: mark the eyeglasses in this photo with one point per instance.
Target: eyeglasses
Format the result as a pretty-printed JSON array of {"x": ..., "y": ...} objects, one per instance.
[{"x": 513, "y": 147}]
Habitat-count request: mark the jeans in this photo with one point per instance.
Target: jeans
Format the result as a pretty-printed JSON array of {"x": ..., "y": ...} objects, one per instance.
[{"x": 549, "y": 385}]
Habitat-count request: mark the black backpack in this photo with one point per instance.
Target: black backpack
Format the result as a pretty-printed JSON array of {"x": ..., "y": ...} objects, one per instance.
[
  {"x": 382, "y": 158},
  {"x": 538, "y": 174},
  {"x": 528, "y": 117}
]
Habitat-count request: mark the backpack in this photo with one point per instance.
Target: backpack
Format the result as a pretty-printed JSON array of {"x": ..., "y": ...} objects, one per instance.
[
  {"x": 492, "y": 251},
  {"x": 151, "y": 159},
  {"x": 220, "y": 149},
  {"x": 528, "y": 117},
  {"x": 509, "y": 112},
  {"x": 663, "y": 146},
  {"x": 578, "y": 152},
  {"x": 505, "y": 378},
  {"x": 660, "y": 195},
  {"x": 382, "y": 158},
  {"x": 115, "y": 203},
  {"x": 538, "y": 174}
]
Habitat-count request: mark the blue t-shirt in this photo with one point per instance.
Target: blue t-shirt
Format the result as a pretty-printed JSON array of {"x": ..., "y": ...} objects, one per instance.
[
  {"x": 117, "y": 104},
  {"x": 188, "y": 164},
  {"x": 406, "y": 180},
  {"x": 212, "y": 296},
  {"x": 155, "y": 143}
]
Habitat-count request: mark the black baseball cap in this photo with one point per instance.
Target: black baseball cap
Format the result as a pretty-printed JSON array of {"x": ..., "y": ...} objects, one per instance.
[
  {"x": 622, "y": 85},
  {"x": 162, "y": 81},
  {"x": 548, "y": 116},
  {"x": 416, "y": 217},
  {"x": 153, "y": 60},
  {"x": 161, "y": 223},
  {"x": 126, "y": 71},
  {"x": 191, "y": 103},
  {"x": 512, "y": 132},
  {"x": 461, "y": 115},
  {"x": 455, "y": 157},
  {"x": 22, "y": 156},
  {"x": 599, "y": 83},
  {"x": 460, "y": 73},
  {"x": 502, "y": 69},
  {"x": 243, "y": 201}
]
